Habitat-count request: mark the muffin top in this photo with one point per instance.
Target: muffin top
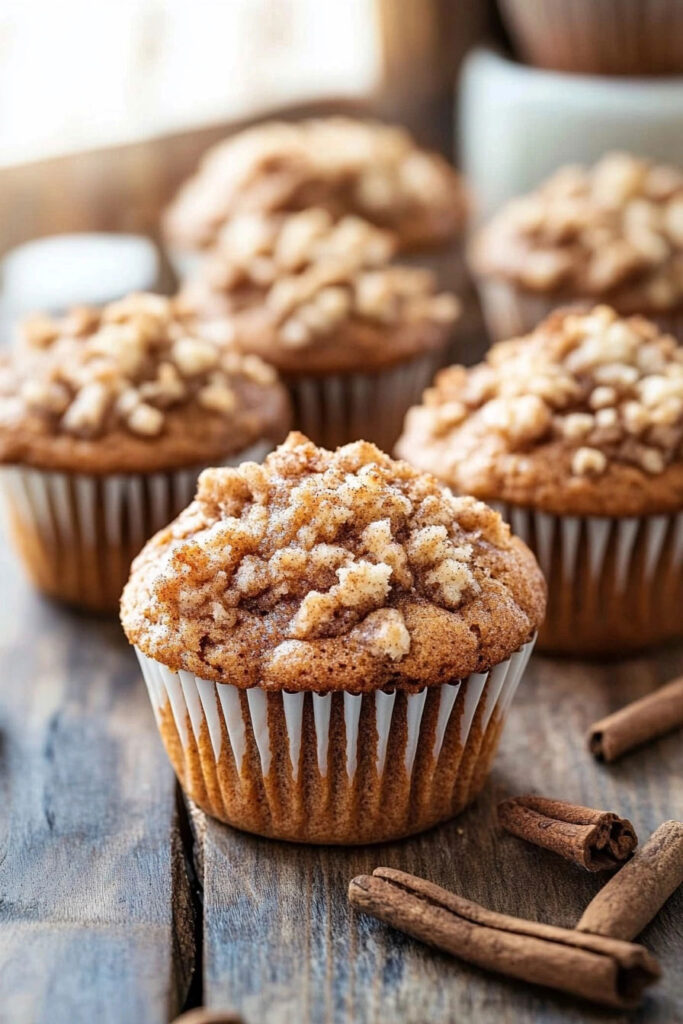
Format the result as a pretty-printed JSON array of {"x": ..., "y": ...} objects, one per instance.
[
  {"x": 584, "y": 416},
  {"x": 305, "y": 291},
  {"x": 131, "y": 387},
  {"x": 326, "y": 571},
  {"x": 346, "y": 166},
  {"x": 614, "y": 231}
]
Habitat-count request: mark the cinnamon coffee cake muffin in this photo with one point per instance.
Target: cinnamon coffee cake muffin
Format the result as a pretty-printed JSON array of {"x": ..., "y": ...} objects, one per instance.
[
  {"x": 107, "y": 417},
  {"x": 355, "y": 336},
  {"x": 372, "y": 170},
  {"x": 331, "y": 642},
  {"x": 598, "y": 37},
  {"x": 576, "y": 434},
  {"x": 612, "y": 233}
]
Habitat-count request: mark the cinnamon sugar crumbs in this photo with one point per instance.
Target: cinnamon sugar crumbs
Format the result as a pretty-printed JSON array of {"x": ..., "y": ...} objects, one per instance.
[
  {"x": 373, "y": 170},
  {"x": 123, "y": 366},
  {"x": 318, "y": 545},
  {"x": 308, "y": 273},
  {"x": 610, "y": 389},
  {"x": 385, "y": 634},
  {"x": 614, "y": 228}
]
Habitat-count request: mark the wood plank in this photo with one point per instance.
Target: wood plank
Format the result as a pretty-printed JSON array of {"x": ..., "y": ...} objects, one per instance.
[
  {"x": 280, "y": 944},
  {"x": 95, "y": 914}
]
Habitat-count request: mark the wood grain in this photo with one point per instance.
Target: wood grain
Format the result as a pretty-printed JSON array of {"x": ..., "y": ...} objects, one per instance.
[
  {"x": 281, "y": 944},
  {"x": 94, "y": 909},
  {"x": 95, "y": 917}
]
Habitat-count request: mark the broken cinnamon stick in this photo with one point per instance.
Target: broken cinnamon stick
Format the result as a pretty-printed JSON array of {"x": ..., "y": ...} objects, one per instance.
[
  {"x": 595, "y": 840},
  {"x": 633, "y": 896},
  {"x": 637, "y": 723},
  {"x": 604, "y": 970}
]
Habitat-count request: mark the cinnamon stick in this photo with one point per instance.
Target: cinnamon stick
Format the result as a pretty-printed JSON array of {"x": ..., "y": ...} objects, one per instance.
[
  {"x": 604, "y": 970},
  {"x": 637, "y": 723},
  {"x": 595, "y": 840},
  {"x": 633, "y": 896}
]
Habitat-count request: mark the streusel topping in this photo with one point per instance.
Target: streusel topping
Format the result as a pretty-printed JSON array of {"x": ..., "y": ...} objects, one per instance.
[
  {"x": 307, "y": 275},
  {"x": 589, "y": 392},
  {"x": 126, "y": 369},
  {"x": 347, "y": 166},
  {"x": 314, "y": 546},
  {"x": 124, "y": 366},
  {"x": 614, "y": 230}
]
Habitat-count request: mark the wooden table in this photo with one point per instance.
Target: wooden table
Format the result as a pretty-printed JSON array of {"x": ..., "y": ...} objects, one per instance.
[{"x": 101, "y": 918}]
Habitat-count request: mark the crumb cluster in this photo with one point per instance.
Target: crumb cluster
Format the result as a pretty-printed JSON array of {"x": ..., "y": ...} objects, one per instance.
[
  {"x": 610, "y": 389},
  {"x": 314, "y": 544},
  {"x": 308, "y": 274},
  {"x": 371, "y": 169},
  {"x": 124, "y": 366},
  {"x": 614, "y": 229}
]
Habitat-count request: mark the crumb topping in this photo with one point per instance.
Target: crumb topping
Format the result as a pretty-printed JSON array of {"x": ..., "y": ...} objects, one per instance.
[
  {"x": 126, "y": 366},
  {"x": 347, "y": 166},
  {"x": 311, "y": 545},
  {"x": 306, "y": 274},
  {"x": 610, "y": 390},
  {"x": 616, "y": 227}
]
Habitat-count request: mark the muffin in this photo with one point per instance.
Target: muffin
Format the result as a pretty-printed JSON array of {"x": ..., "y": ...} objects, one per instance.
[
  {"x": 575, "y": 434},
  {"x": 611, "y": 234},
  {"x": 372, "y": 170},
  {"x": 355, "y": 337},
  {"x": 600, "y": 37},
  {"x": 107, "y": 417},
  {"x": 331, "y": 642}
]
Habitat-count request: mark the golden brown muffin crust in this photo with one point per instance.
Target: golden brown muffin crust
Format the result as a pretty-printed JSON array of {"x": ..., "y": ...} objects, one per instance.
[
  {"x": 346, "y": 166},
  {"x": 584, "y": 416},
  {"x": 327, "y": 571},
  {"x": 131, "y": 388},
  {"x": 305, "y": 291},
  {"x": 614, "y": 232}
]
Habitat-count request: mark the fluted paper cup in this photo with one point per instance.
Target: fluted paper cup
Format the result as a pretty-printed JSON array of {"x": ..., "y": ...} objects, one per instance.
[
  {"x": 334, "y": 409},
  {"x": 614, "y": 583},
  {"x": 602, "y": 37},
  {"x": 332, "y": 767},
  {"x": 510, "y": 311},
  {"x": 77, "y": 533}
]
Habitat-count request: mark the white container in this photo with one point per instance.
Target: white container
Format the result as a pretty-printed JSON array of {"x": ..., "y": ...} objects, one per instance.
[
  {"x": 50, "y": 275},
  {"x": 517, "y": 124}
]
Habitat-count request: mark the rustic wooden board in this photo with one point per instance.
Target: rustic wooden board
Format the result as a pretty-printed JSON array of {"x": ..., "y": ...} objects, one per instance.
[
  {"x": 281, "y": 945},
  {"x": 95, "y": 916}
]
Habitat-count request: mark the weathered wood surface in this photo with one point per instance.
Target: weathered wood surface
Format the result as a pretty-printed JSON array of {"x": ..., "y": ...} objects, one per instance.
[
  {"x": 95, "y": 916},
  {"x": 94, "y": 904},
  {"x": 281, "y": 944}
]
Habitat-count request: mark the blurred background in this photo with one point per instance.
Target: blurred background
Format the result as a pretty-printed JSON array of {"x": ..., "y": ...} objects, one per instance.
[{"x": 106, "y": 106}]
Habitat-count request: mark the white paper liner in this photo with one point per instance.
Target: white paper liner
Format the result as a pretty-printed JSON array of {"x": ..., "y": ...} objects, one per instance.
[
  {"x": 335, "y": 409},
  {"x": 608, "y": 554},
  {"x": 510, "y": 312},
  {"x": 197, "y": 704},
  {"x": 97, "y": 516},
  {"x": 541, "y": 530}
]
